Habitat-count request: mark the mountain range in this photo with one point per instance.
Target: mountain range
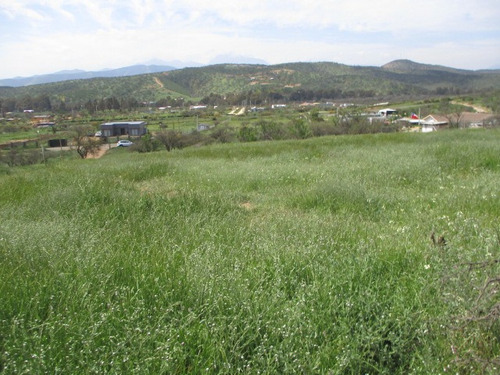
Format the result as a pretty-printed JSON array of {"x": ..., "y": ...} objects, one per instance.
[
  {"x": 67, "y": 75},
  {"x": 153, "y": 66},
  {"x": 293, "y": 81}
]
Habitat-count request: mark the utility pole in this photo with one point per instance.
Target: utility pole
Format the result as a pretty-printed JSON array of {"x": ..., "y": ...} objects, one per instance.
[{"x": 41, "y": 143}]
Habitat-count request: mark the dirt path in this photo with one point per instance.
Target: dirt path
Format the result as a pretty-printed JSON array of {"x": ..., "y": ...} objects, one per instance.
[
  {"x": 158, "y": 82},
  {"x": 102, "y": 150},
  {"x": 477, "y": 108}
]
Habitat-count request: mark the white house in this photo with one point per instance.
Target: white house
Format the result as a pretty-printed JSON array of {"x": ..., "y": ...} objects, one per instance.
[{"x": 432, "y": 123}]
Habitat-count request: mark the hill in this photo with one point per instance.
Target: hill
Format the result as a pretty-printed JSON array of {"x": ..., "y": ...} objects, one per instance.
[
  {"x": 309, "y": 256},
  {"x": 408, "y": 66},
  {"x": 67, "y": 75},
  {"x": 267, "y": 83}
]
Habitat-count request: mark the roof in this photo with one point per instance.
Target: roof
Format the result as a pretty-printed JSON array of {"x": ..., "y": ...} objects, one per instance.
[
  {"x": 434, "y": 120},
  {"x": 473, "y": 117},
  {"x": 410, "y": 120},
  {"x": 125, "y": 123}
]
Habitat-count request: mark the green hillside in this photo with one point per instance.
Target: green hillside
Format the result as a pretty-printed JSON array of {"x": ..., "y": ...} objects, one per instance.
[
  {"x": 292, "y": 81},
  {"x": 373, "y": 254}
]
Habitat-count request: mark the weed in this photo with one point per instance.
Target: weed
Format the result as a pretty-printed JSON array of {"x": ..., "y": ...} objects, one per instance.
[{"x": 305, "y": 256}]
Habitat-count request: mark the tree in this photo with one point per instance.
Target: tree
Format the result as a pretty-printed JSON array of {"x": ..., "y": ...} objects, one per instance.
[
  {"x": 41, "y": 103},
  {"x": 223, "y": 134},
  {"x": 61, "y": 108},
  {"x": 7, "y": 105},
  {"x": 146, "y": 144},
  {"x": 26, "y": 102},
  {"x": 301, "y": 129},
  {"x": 84, "y": 141},
  {"x": 454, "y": 119},
  {"x": 271, "y": 130},
  {"x": 315, "y": 116},
  {"x": 170, "y": 139},
  {"x": 248, "y": 134},
  {"x": 111, "y": 103}
]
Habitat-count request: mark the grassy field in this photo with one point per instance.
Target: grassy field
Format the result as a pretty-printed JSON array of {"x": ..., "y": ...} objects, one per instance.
[
  {"x": 183, "y": 122},
  {"x": 276, "y": 257}
]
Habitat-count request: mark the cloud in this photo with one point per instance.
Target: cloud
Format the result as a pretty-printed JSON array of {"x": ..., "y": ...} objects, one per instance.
[
  {"x": 91, "y": 34},
  {"x": 349, "y": 15},
  {"x": 346, "y": 15},
  {"x": 15, "y": 9}
]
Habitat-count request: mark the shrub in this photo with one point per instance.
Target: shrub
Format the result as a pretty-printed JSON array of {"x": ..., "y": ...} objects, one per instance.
[
  {"x": 320, "y": 129},
  {"x": 271, "y": 130},
  {"x": 301, "y": 129},
  {"x": 248, "y": 134},
  {"x": 146, "y": 144},
  {"x": 223, "y": 134},
  {"x": 170, "y": 139},
  {"x": 15, "y": 158}
]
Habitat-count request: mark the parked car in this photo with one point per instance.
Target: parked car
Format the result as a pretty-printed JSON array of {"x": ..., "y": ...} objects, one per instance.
[
  {"x": 124, "y": 143},
  {"x": 98, "y": 134}
]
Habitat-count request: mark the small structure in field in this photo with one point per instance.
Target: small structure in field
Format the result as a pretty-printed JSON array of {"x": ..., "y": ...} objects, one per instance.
[
  {"x": 42, "y": 121},
  {"x": 134, "y": 128},
  {"x": 202, "y": 127}
]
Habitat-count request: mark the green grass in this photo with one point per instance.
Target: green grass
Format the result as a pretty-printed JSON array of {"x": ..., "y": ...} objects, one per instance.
[
  {"x": 269, "y": 257},
  {"x": 20, "y": 135}
]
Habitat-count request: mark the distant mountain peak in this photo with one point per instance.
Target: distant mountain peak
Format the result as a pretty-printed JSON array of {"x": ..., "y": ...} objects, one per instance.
[
  {"x": 236, "y": 59},
  {"x": 408, "y": 66},
  {"x": 72, "y": 71},
  {"x": 404, "y": 66}
]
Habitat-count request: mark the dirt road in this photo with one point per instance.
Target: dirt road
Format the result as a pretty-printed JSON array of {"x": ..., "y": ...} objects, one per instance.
[
  {"x": 477, "y": 108},
  {"x": 102, "y": 150},
  {"x": 158, "y": 82}
]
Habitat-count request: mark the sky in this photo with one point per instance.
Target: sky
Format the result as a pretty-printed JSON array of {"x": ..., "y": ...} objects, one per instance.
[{"x": 46, "y": 36}]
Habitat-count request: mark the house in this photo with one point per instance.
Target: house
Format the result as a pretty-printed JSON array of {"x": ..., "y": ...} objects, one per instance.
[
  {"x": 134, "y": 128},
  {"x": 42, "y": 121},
  {"x": 257, "y": 109},
  {"x": 433, "y": 122},
  {"x": 45, "y": 124},
  {"x": 473, "y": 119}
]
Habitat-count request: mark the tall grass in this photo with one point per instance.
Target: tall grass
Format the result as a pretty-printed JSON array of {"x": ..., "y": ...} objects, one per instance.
[{"x": 276, "y": 257}]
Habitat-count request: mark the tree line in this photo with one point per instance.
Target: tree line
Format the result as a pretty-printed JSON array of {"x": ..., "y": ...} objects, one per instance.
[
  {"x": 27, "y": 102},
  {"x": 43, "y": 103},
  {"x": 263, "y": 96},
  {"x": 256, "y": 97}
]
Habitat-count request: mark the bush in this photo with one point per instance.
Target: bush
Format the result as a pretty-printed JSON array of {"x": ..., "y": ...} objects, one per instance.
[
  {"x": 146, "y": 144},
  {"x": 248, "y": 134},
  {"x": 195, "y": 138},
  {"x": 171, "y": 139},
  {"x": 15, "y": 158},
  {"x": 301, "y": 129},
  {"x": 320, "y": 129},
  {"x": 271, "y": 130},
  {"x": 223, "y": 134}
]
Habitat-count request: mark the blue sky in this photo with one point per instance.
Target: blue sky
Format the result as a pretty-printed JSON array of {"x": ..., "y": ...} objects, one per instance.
[{"x": 46, "y": 36}]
